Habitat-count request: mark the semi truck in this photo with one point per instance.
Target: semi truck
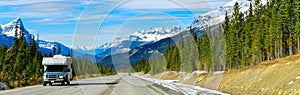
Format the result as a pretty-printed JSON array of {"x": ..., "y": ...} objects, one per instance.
[{"x": 57, "y": 69}]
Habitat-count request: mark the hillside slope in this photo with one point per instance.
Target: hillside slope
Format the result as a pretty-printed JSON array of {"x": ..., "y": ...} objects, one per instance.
[{"x": 280, "y": 76}]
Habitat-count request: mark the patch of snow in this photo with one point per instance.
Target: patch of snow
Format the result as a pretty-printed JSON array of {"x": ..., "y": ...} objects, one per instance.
[
  {"x": 187, "y": 77},
  {"x": 194, "y": 72},
  {"x": 200, "y": 79},
  {"x": 218, "y": 72},
  {"x": 291, "y": 82},
  {"x": 179, "y": 87},
  {"x": 199, "y": 72},
  {"x": 274, "y": 65},
  {"x": 175, "y": 72},
  {"x": 297, "y": 77},
  {"x": 172, "y": 81}
]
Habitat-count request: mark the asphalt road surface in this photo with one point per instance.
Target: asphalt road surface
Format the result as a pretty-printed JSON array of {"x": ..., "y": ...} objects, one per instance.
[{"x": 121, "y": 84}]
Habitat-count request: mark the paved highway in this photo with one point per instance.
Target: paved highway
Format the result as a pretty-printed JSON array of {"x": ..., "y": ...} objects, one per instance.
[
  {"x": 121, "y": 84},
  {"x": 130, "y": 85}
]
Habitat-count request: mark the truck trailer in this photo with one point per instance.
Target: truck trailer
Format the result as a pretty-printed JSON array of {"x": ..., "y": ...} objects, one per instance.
[{"x": 57, "y": 69}]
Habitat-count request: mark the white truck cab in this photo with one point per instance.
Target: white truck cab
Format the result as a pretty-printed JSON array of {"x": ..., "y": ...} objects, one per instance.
[{"x": 57, "y": 69}]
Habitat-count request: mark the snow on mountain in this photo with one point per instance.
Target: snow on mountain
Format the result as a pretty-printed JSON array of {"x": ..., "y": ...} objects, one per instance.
[
  {"x": 140, "y": 38},
  {"x": 7, "y": 34},
  {"x": 155, "y": 34},
  {"x": 16, "y": 25},
  {"x": 217, "y": 16},
  {"x": 47, "y": 46}
]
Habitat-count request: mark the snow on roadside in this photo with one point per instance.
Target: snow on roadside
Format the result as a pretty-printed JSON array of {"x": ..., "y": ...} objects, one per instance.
[
  {"x": 297, "y": 77},
  {"x": 188, "y": 76},
  {"x": 179, "y": 87},
  {"x": 218, "y": 72}
]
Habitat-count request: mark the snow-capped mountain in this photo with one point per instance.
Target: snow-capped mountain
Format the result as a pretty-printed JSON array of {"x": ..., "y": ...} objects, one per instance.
[
  {"x": 217, "y": 16},
  {"x": 47, "y": 46},
  {"x": 16, "y": 25},
  {"x": 137, "y": 39},
  {"x": 7, "y": 34}
]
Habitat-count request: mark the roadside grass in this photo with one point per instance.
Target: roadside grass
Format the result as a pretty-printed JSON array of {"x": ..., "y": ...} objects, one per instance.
[
  {"x": 270, "y": 77},
  {"x": 36, "y": 80},
  {"x": 279, "y": 77}
]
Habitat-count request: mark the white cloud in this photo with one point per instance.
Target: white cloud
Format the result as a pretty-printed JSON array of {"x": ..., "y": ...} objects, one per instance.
[
  {"x": 57, "y": 10},
  {"x": 160, "y": 18},
  {"x": 166, "y": 4},
  {"x": 60, "y": 7},
  {"x": 32, "y": 31},
  {"x": 109, "y": 29},
  {"x": 149, "y": 4},
  {"x": 53, "y": 21},
  {"x": 84, "y": 40},
  {"x": 89, "y": 18},
  {"x": 65, "y": 38},
  {"x": 43, "y": 11},
  {"x": 43, "y": 20},
  {"x": 22, "y": 2},
  {"x": 172, "y": 4}
]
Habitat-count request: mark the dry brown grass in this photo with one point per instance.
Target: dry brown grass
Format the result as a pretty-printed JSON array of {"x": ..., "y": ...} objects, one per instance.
[
  {"x": 270, "y": 77},
  {"x": 276, "y": 77}
]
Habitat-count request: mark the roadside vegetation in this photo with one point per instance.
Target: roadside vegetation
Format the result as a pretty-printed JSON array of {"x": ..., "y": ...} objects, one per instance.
[
  {"x": 21, "y": 63},
  {"x": 258, "y": 57}
]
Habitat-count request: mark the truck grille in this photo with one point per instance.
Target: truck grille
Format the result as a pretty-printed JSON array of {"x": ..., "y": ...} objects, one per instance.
[{"x": 52, "y": 76}]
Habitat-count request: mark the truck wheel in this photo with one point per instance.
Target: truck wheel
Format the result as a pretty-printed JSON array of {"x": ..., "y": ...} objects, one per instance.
[
  {"x": 63, "y": 83},
  {"x": 44, "y": 84},
  {"x": 68, "y": 82}
]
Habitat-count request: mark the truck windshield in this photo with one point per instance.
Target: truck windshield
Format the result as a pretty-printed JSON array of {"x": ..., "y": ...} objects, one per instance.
[{"x": 55, "y": 68}]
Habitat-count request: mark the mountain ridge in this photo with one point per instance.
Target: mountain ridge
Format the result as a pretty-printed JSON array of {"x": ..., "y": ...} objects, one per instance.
[{"x": 7, "y": 34}]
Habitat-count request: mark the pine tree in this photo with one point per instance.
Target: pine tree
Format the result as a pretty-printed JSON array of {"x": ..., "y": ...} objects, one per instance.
[
  {"x": 296, "y": 31},
  {"x": 59, "y": 49},
  {"x": 54, "y": 50},
  {"x": 3, "y": 50},
  {"x": 236, "y": 33},
  {"x": 229, "y": 39},
  {"x": 205, "y": 54}
]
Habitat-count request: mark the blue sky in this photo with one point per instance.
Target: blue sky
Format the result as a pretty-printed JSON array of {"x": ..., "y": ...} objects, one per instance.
[{"x": 94, "y": 22}]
